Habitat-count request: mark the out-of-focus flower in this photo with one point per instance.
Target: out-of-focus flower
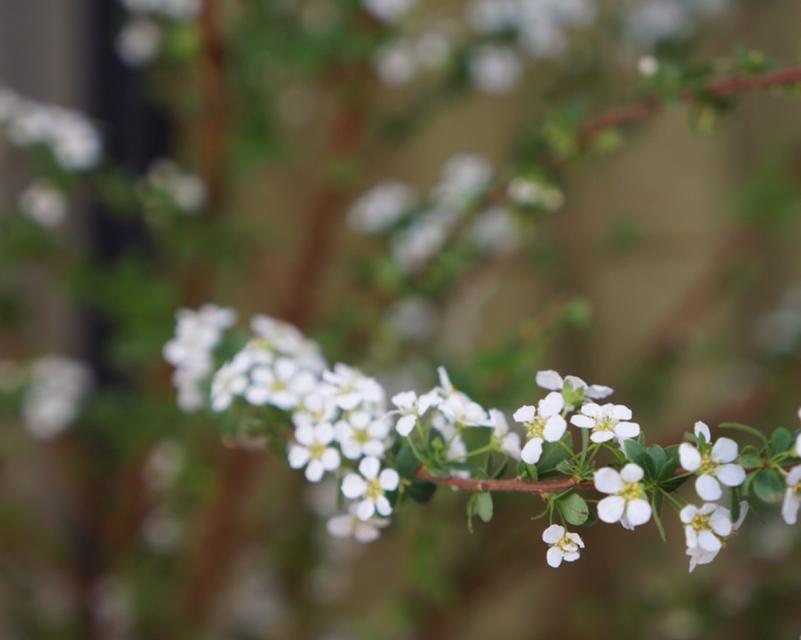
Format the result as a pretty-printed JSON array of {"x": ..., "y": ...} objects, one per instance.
[
  {"x": 53, "y": 397},
  {"x": 138, "y": 42},
  {"x": 494, "y": 231},
  {"x": 361, "y": 434},
  {"x": 381, "y": 207},
  {"x": 495, "y": 68},
  {"x": 507, "y": 440},
  {"x": 396, "y": 62},
  {"x": 647, "y": 66},
  {"x": 44, "y": 204},
  {"x": 349, "y": 525},
  {"x": 312, "y": 449},
  {"x": 186, "y": 190},
  {"x": 388, "y": 10},
  {"x": 411, "y": 409},
  {"x": 792, "y": 495},
  {"x": 571, "y": 386},
  {"x": 530, "y": 192},
  {"x": 369, "y": 486}
]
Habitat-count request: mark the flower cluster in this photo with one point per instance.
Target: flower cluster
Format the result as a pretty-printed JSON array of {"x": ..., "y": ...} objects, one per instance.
[
  {"x": 70, "y": 137},
  {"x": 182, "y": 190},
  {"x": 53, "y": 397},
  {"x": 191, "y": 350},
  {"x": 418, "y": 229},
  {"x": 140, "y": 39},
  {"x": 383, "y": 454}
]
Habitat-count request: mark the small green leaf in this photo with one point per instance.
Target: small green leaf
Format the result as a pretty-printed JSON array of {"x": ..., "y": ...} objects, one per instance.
[
  {"x": 780, "y": 441},
  {"x": 769, "y": 486},
  {"x": 484, "y": 506},
  {"x": 552, "y": 454},
  {"x": 745, "y": 429},
  {"x": 574, "y": 509},
  {"x": 406, "y": 463}
]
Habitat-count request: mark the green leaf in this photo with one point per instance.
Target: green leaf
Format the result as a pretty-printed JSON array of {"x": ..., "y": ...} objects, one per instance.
[
  {"x": 734, "y": 503},
  {"x": 656, "y": 508},
  {"x": 552, "y": 454},
  {"x": 780, "y": 441},
  {"x": 573, "y": 509},
  {"x": 500, "y": 470},
  {"x": 421, "y": 491},
  {"x": 658, "y": 455},
  {"x": 406, "y": 463},
  {"x": 484, "y": 506},
  {"x": 769, "y": 486},
  {"x": 745, "y": 429}
]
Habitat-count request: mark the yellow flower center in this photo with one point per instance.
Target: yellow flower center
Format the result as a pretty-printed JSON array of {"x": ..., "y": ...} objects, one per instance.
[
  {"x": 361, "y": 436},
  {"x": 708, "y": 465},
  {"x": 374, "y": 489},
  {"x": 536, "y": 428},
  {"x": 316, "y": 450},
  {"x": 605, "y": 424},
  {"x": 796, "y": 489},
  {"x": 699, "y": 522},
  {"x": 565, "y": 544},
  {"x": 631, "y": 491}
]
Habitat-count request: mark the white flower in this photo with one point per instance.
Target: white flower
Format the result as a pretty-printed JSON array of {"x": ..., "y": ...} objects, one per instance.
[
  {"x": 362, "y": 434},
  {"x": 714, "y": 465},
  {"x": 283, "y": 384},
  {"x": 798, "y": 446},
  {"x": 551, "y": 380},
  {"x": 369, "y": 488},
  {"x": 317, "y": 406},
  {"x": 185, "y": 189},
  {"x": 564, "y": 545},
  {"x": 44, "y": 204},
  {"x": 464, "y": 176},
  {"x": 536, "y": 193},
  {"x": 229, "y": 381},
  {"x": 349, "y": 525},
  {"x": 138, "y": 42},
  {"x": 411, "y": 408},
  {"x": 508, "y": 441},
  {"x": 381, "y": 207},
  {"x": 351, "y": 388},
  {"x": 311, "y": 450},
  {"x": 542, "y": 423},
  {"x": 607, "y": 421},
  {"x": 395, "y": 62},
  {"x": 494, "y": 68},
  {"x": 388, "y": 10},
  {"x": 460, "y": 409},
  {"x": 792, "y": 496},
  {"x": 627, "y": 501},
  {"x": 494, "y": 230},
  {"x": 706, "y": 529},
  {"x": 647, "y": 66},
  {"x": 52, "y": 400}
]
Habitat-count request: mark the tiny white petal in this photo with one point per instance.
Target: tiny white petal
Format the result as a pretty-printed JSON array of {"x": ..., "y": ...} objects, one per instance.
[
  {"x": 689, "y": 457},
  {"x": 638, "y": 511},
  {"x": 551, "y": 404},
  {"x": 532, "y": 451},
  {"x": 582, "y": 422},
  {"x": 526, "y": 413},
  {"x": 314, "y": 471},
  {"x": 631, "y": 472},
  {"x": 708, "y": 541},
  {"x": 607, "y": 480},
  {"x": 389, "y": 480},
  {"x": 553, "y": 534},
  {"x": 353, "y": 486},
  {"x": 365, "y": 510},
  {"x": 724, "y": 450},
  {"x": 554, "y": 428},
  {"x": 701, "y": 429},
  {"x": 732, "y": 475},
  {"x": 369, "y": 467},
  {"x": 406, "y": 424},
  {"x": 549, "y": 379},
  {"x": 554, "y": 557},
  {"x": 708, "y": 487},
  {"x": 611, "y": 508}
]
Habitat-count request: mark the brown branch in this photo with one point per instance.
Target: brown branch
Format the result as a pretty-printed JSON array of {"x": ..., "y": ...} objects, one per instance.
[
  {"x": 514, "y": 484},
  {"x": 717, "y": 88}
]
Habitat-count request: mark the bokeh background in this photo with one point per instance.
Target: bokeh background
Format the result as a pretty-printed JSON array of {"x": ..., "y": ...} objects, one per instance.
[{"x": 672, "y": 272}]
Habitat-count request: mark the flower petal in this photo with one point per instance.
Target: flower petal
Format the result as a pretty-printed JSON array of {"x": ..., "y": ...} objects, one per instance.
[
  {"x": 701, "y": 429},
  {"x": 389, "y": 479},
  {"x": 631, "y": 472},
  {"x": 627, "y": 430},
  {"x": 790, "y": 507},
  {"x": 532, "y": 451},
  {"x": 607, "y": 480},
  {"x": 330, "y": 459},
  {"x": 708, "y": 541},
  {"x": 353, "y": 486},
  {"x": 365, "y": 509},
  {"x": 314, "y": 471},
  {"x": 554, "y": 557},
  {"x": 369, "y": 467},
  {"x": 724, "y": 450},
  {"x": 553, "y": 534},
  {"x": 405, "y": 425},
  {"x": 551, "y": 404},
  {"x": 526, "y": 413},
  {"x": 638, "y": 511},
  {"x": 340, "y": 526},
  {"x": 611, "y": 508},
  {"x": 383, "y": 506},
  {"x": 732, "y": 475},
  {"x": 298, "y": 456},
  {"x": 554, "y": 428},
  {"x": 689, "y": 456},
  {"x": 549, "y": 379},
  {"x": 582, "y": 421},
  {"x": 708, "y": 487}
]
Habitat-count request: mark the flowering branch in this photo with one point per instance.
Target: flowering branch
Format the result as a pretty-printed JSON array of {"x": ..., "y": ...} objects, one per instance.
[
  {"x": 717, "y": 89},
  {"x": 516, "y": 484}
]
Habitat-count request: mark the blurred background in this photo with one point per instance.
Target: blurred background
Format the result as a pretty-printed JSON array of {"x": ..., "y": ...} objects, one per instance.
[{"x": 160, "y": 154}]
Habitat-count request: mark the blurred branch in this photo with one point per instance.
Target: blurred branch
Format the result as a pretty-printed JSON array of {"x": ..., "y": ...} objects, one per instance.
[{"x": 717, "y": 89}]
